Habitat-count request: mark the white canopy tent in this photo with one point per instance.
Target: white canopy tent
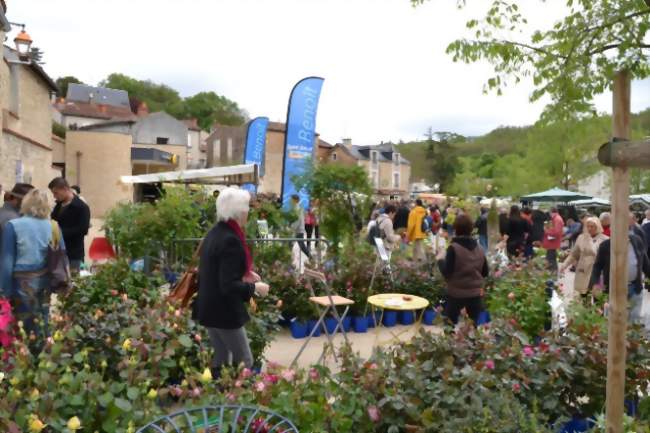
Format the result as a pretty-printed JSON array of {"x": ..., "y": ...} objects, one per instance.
[{"x": 230, "y": 175}]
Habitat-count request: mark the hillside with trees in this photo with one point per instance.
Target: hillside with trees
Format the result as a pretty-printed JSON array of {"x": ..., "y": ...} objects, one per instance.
[{"x": 518, "y": 160}]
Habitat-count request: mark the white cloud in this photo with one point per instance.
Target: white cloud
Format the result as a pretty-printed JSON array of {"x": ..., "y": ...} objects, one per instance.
[{"x": 386, "y": 73}]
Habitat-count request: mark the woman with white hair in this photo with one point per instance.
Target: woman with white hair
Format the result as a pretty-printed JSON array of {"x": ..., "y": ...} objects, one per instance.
[
  {"x": 227, "y": 282},
  {"x": 24, "y": 278},
  {"x": 583, "y": 254}
]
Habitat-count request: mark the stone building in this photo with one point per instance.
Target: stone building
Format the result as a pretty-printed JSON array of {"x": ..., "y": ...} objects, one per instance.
[
  {"x": 26, "y": 143},
  {"x": 389, "y": 172},
  {"x": 225, "y": 146}
]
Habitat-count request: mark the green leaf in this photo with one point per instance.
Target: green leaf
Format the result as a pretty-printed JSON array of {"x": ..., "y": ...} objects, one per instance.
[
  {"x": 185, "y": 341},
  {"x": 105, "y": 399},
  {"x": 133, "y": 393},
  {"x": 123, "y": 404}
]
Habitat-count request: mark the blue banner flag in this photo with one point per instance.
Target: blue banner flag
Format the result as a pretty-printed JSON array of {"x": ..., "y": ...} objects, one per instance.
[
  {"x": 299, "y": 138},
  {"x": 255, "y": 147}
]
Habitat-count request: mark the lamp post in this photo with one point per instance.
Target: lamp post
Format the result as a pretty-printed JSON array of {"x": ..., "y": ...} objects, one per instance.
[{"x": 23, "y": 43}]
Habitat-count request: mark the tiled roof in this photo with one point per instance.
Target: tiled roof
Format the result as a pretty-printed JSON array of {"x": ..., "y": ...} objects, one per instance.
[
  {"x": 99, "y": 95},
  {"x": 95, "y": 111}
]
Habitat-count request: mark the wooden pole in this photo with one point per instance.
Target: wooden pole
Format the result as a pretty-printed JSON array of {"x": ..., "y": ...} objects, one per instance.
[{"x": 618, "y": 266}]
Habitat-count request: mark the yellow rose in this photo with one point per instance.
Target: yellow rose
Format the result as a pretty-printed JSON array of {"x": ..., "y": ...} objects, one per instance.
[
  {"x": 58, "y": 336},
  {"x": 127, "y": 344},
  {"x": 74, "y": 423},
  {"x": 36, "y": 425},
  {"x": 152, "y": 393},
  {"x": 206, "y": 376},
  {"x": 35, "y": 394},
  {"x": 13, "y": 381}
]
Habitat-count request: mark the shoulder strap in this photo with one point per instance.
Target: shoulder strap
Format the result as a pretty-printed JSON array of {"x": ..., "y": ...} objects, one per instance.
[{"x": 56, "y": 234}]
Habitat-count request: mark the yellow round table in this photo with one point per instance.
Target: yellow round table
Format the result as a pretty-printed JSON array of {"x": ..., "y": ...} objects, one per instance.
[{"x": 396, "y": 301}]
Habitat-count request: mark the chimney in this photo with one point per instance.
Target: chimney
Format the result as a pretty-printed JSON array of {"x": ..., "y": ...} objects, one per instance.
[
  {"x": 347, "y": 142},
  {"x": 143, "y": 110},
  {"x": 193, "y": 122}
]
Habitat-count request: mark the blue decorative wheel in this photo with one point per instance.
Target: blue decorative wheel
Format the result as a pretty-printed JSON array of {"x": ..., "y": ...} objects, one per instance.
[{"x": 221, "y": 419}]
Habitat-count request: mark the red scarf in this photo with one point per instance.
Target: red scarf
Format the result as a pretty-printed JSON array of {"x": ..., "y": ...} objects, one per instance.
[{"x": 242, "y": 237}]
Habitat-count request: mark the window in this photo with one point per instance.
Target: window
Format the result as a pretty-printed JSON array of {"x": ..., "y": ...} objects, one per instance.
[
  {"x": 374, "y": 157},
  {"x": 162, "y": 140},
  {"x": 334, "y": 156},
  {"x": 189, "y": 140},
  {"x": 229, "y": 149},
  {"x": 216, "y": 152},
  {"x": 396, "y": 180},
  {"x": 374, "y": 175},
  {"x": 396, "y": 159}
]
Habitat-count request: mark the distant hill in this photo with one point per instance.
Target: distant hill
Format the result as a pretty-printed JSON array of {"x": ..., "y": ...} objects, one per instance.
[{"x": 502, "y": 141}]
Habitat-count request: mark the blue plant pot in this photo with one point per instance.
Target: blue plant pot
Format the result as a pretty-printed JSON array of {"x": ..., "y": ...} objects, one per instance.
[
  {"x": 578, "y": 425},
  {"x": 483, "y": 318},
  {"x": 428, "y": 317},
  {"x": 285, "y": 322},
  {"x": 406, "y": 317},
  {"x": 360, "y": 324},
  {"x": 311, "y": 325},
  {"x": 347, "y": 323},
  {"x": 390, "y": 318},
  {"x": 330, "y": 325},
  {"x": 631, "y": 407},
  {"x": 298, "y": 329},
  {"x": 370, "y": 318}
]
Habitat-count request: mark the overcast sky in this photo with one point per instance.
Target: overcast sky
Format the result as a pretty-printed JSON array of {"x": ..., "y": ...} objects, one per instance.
[{"x": 387, "y": 76}]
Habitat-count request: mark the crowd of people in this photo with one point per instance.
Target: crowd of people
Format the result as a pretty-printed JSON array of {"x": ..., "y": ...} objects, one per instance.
[
  {"x": 30, "y": 229},
  {"x": 459, "y": 246}
]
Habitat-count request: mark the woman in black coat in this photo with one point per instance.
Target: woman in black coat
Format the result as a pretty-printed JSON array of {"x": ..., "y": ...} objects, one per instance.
[
  {"x": 518, "y": 229},
  {"x": 227, "y": 282}
]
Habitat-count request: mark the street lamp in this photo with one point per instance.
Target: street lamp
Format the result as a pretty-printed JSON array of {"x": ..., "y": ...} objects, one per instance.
[{"x": 23, "y": 42}]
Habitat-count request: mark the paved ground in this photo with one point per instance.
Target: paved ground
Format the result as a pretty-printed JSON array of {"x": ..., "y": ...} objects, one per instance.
[{"x": 285, "y": 348}]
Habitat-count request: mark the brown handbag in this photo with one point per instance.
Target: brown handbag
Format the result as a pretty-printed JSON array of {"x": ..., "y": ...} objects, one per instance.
[{"x": 188, "y": 285}]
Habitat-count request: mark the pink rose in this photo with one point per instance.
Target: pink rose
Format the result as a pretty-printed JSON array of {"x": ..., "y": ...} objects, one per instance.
[
  {"x": 313, "y": 374},
  {"x": 271, "y": 379},
  {"x": 528, "y": 351},
  {"x": 373, "y": 413},
  {"x": 197, "y": 337},
  {"x": 260, "y": 386},
  {"x": 289, "y": 375},
  {"x": 511, "y": 296},
  {"x": 489, "y": 364},
  {"x": 238, "y": 383},
  {"x": 231, "y": 397},
  {"x": 373, "y": 366},
  {"x": 516, "y": 387},
  {"x": 246, "y": 373},
  {"x": 196, "y": 392}
]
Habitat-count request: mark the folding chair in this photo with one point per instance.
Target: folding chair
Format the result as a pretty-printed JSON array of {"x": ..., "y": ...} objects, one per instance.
[{"x": 326, "y": 304}]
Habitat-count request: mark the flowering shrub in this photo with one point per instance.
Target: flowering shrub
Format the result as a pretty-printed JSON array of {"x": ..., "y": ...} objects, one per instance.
[{"x": 520, "y": 295}]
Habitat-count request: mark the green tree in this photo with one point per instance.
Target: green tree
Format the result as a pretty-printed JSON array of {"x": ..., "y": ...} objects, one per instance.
[
  {"x": 570, "y": 62},
  {"x": 443, "y": 159},
  {"x": 158, "y": 97},
  {"x": 208, "y": 108},
  {"x": 63, "y": 82},
  {"x": 344, "y": 193}
]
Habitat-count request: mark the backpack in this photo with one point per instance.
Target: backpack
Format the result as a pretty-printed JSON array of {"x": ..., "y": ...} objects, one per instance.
[
  {"x": 425, "y": 225},
  {"x": 374, "y": 232}
]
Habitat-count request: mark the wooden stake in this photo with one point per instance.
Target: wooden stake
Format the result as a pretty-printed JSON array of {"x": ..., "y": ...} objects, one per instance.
[{"x": 618, "y": 265}]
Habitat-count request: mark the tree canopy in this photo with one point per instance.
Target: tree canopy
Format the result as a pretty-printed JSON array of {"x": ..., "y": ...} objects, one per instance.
[
  {"x": 570, "y": 62},
  {"x": 207, "y": 107}
]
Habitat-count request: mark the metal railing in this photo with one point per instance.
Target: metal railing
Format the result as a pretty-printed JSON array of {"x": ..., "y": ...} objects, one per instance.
[{"x": 177, "y": 245}]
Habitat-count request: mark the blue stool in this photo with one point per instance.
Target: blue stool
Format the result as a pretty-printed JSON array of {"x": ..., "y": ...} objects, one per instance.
[{"x": 231, "y": 418}]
